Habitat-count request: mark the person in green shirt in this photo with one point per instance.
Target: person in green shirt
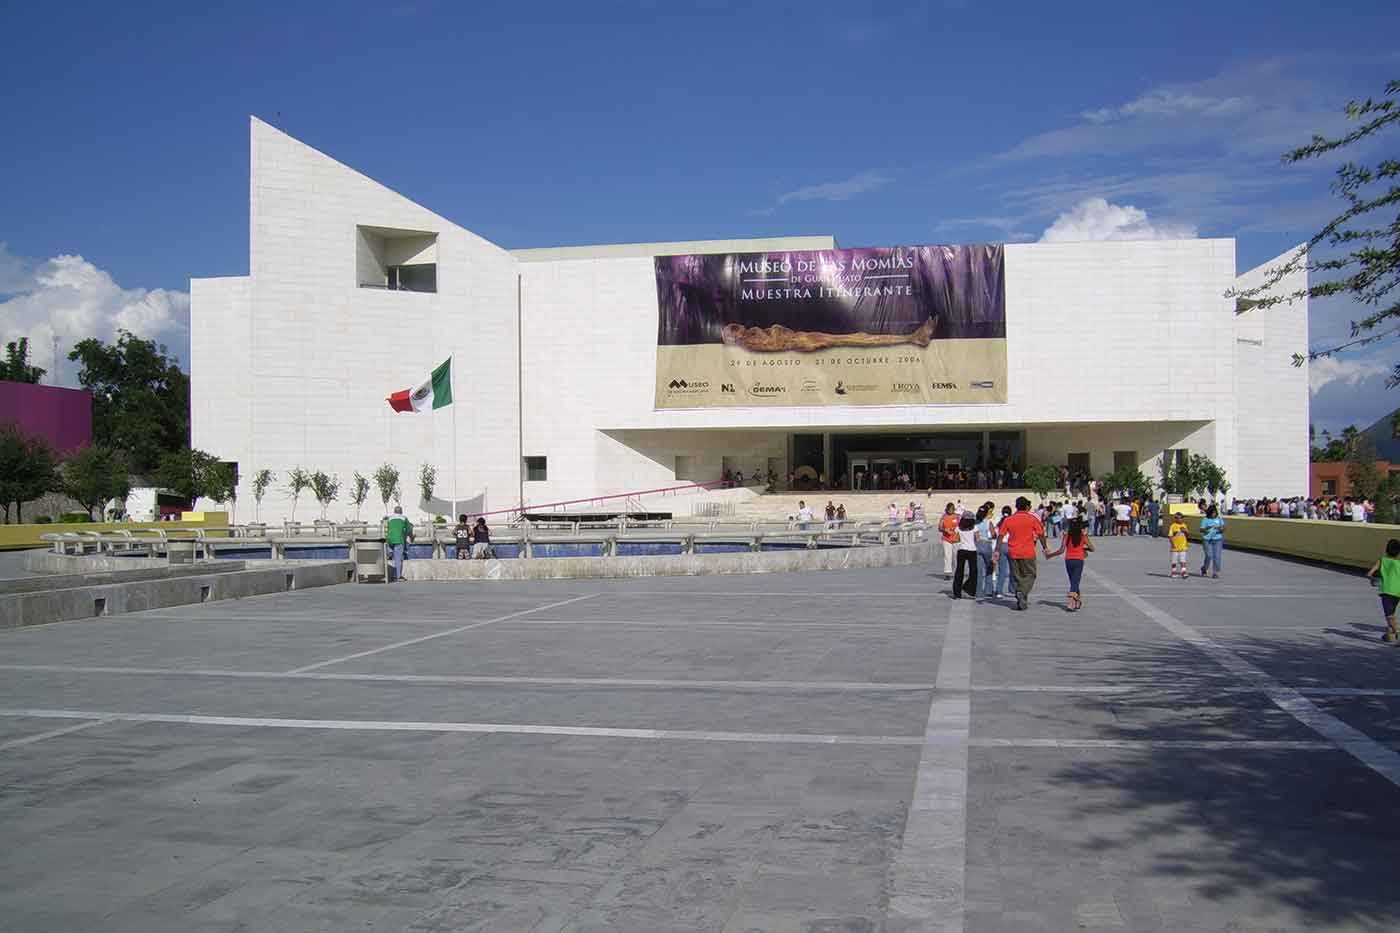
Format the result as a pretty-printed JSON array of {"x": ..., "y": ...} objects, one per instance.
[
  {"x": 398, "y": 534},
  {"x": 1389, "y": 569}
]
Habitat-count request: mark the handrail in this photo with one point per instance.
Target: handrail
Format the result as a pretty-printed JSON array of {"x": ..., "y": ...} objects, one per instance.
[{"x": 523, "y": 508}]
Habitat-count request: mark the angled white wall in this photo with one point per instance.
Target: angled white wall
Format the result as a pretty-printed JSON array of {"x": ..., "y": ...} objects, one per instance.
[{"x": 319, "y": 353}]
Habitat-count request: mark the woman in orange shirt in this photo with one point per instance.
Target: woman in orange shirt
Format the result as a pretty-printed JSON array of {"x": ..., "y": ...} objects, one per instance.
[{"x": 1075, "y": 545}]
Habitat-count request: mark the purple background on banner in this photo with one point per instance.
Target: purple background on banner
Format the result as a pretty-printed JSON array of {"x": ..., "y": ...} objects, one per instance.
[
  {"x": 961, "y": 287},
  {"x": 63, "y": 417}
]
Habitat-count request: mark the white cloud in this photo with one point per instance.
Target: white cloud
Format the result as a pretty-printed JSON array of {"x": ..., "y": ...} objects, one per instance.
[
  {"x": 1097, "y": 219},
  {"x": 1350, "y": 372},
  {"x": 71, "y": 298},
  {"x": 1169, "y": 102},
  {"x": 837, "y": 190}
]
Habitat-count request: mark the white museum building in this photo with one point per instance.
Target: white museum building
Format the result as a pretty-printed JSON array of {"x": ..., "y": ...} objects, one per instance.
[{"x": 1114, "y": 352}]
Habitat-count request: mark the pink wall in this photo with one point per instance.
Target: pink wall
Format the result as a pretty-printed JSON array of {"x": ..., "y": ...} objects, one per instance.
[{"x": 63, "y": 417}]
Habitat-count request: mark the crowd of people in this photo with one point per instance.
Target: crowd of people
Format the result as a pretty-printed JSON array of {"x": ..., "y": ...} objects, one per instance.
[{"x": 1323, "y": 508}]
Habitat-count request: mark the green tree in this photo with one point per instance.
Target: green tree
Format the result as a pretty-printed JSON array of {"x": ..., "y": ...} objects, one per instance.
[
  {"x": 1042, "y": 479},
  {"x": 1363, "y": 477},
  {"x": 298, "y": 481},
  {"x": 15, "y": 366},
  {"x": 140, "y": 398},
  {"x": 95, "y": 475},
  {"x": 427, "y": 481},
  {"x": 1369, "y": 228},
  {"x": 359, "y": 492},
  {"x": 261, "y": 481},
  {"x": 1126, "y": 479},
  {"x": 386, "y": 479},
  {"x": 194, "y": 474},
  {"x": 28, "y": 469},
  {"x": 325, "y": 488},
  {"x": 1209, "y": 475}
]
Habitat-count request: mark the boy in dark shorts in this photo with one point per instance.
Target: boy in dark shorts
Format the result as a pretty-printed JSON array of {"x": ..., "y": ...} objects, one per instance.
[{"x": 1389, "y": 569}]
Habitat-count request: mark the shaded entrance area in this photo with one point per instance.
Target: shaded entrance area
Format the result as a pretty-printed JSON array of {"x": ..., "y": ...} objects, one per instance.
[{"x": 924, "y": 460}]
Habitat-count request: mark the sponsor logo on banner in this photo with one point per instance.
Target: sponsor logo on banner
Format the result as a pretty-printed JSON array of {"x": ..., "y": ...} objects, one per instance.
[
  {"x": 904, "y": 388},
  {"x": 726, "y": 388},
  {"x": 687, "y": 386},
  {"x": 766, "y": 391},
  {"x": 942, "y": 385},
  {"x": 810, "y": 385},
  {"x": 984, "y": 384},
  {"x": 840, "y": 387}
]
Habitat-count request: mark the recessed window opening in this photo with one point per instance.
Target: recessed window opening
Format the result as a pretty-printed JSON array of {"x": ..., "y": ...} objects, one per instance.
[
  {"x": 536, "y": 469},
  {"x": 395, "y": 260}
]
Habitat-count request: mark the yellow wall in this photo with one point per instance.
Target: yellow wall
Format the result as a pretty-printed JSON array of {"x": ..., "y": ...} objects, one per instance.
[
  {"x": 1336, "y": 542},
  {"x": 12, "y": 537}
]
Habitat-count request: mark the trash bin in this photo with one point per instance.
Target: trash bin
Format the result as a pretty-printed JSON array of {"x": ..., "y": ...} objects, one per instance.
[{"x": 371, "y": 562}]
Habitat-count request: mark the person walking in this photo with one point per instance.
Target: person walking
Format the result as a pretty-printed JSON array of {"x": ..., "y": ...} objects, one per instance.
[
  {"x": 1388, "y": 566},
  {"x": 986, "y": 551},
  {"x": 965, "y": 577},
  {"x": 1005, "y": 586},
  {"x": 1212, "y": 541},
  {"x": 1021, "y": 531},
  {"x": 398, "y": 534},
  {"x": 1076, "y": 546},
  {"x": 1176, "y": 535},
  {"x": 804, "y": 515},
  {"x": 948, "y": 529}
]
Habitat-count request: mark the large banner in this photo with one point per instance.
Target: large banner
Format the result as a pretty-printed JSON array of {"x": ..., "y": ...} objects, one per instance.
[{"x": 902, "y": 325}]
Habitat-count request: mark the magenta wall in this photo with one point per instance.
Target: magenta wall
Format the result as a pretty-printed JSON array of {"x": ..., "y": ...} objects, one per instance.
[{"x": 63, "y": 417}]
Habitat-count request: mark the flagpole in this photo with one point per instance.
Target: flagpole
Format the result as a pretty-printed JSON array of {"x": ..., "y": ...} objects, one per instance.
[{"x": 452, "y": 380}]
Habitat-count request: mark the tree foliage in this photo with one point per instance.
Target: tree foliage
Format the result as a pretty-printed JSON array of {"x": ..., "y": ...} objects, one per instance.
[
  {"x": 1363, "y": 477},
  {"x": 1042, "y": 479},
  {"x": 140, "y": 398},
  {"x": 427, "y": 481},
  {"x": 386, "y": 479},
  {"x": 28, "y": 469},
  {"x": 15, "y": 366},
  {"x": 95, "y": 475},
  {"x": 326, "y": 488},
  {"x": 359, "y": 492},
  {"x": 298, "y": 481},
  {"x": 1370, "y": 271},
  {"x": 194, "y": 474},
  {"x": 262, "y": 480},
  {"x": 1126, "y": 479}
]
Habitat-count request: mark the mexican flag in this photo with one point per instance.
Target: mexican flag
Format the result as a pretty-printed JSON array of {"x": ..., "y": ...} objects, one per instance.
[{"x": 433, "y": 394}]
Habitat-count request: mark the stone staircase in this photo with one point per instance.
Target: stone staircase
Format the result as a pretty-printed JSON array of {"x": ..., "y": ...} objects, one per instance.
[{"x": 864, "y": 506}]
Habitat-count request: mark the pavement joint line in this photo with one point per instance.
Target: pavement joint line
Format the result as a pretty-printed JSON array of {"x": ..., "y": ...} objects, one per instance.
[
  {"x": 940, "y": 737},
  {"x": 422, "y": 638},
  {"x": 647, "y": 623},
  {"x": 475, "y": 728},
  {"x": 928, "y": 873},
  {"x": 54, "y": 733},
  {"x": 1372, "y": 754},
  {"x": 487, "y": 680}
]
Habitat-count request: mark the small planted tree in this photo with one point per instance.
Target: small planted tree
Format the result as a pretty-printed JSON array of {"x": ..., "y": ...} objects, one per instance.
[
  {"x": 325, "y": 488},
  {"x": 386, "y": 480},
  {"x": 28, "y": 469},
  {"x": 298, "y": 481},
  {"x": 94, "y": 475},
  {"x": 1042, "y": 480},
  {"x": 262, "y": 480},
  {"x": 427, "y": 482},
  {"x": 359, "y": 492},
  {"x": 1363, "y": 477}
]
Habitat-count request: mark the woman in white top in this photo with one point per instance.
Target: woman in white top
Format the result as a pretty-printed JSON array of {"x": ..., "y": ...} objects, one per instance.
[{"x": 965, "y": 577}]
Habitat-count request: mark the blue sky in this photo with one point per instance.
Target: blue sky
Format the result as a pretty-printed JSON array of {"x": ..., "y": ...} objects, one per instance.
[{"x": 540, "y": 124}]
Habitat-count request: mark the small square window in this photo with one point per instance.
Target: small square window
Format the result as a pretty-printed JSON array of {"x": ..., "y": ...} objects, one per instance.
[
  {"x": 1125, "y": 460},
  {"x": 536, "y": 469}
]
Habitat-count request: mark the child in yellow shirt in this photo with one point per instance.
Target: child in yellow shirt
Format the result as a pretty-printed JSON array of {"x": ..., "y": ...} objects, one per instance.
[{"x": 1176, "y": 534}]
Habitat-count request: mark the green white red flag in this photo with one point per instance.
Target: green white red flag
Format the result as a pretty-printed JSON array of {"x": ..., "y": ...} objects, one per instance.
[{"x": 433, "y": 394}]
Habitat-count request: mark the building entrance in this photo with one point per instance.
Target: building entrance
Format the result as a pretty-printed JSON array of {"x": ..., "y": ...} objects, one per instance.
[{"x": 944, "y": 460}]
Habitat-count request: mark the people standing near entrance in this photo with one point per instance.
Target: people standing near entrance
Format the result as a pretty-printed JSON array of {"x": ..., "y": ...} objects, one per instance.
[
  {"x": 1021, "y": 532},
  {"x": 841, "y": 512},
  {"x": 804, "y": 515},
  {"x": 1212, "y": 541},
  {"x": 1176, "y": 535},
  {"x": 1076, "y": 546},
  {"x": 965, "y": 578},
  {"x": 1122, "y": 514},
  {"x": 1153, "y": 514},
  {"x": 948, "y": 528},
  {"x": 398, "y": 534},
  {"x": 1388, "y": 566},
  {"x": 830, "y": 514},
  {"x": 986, "y": 550}
]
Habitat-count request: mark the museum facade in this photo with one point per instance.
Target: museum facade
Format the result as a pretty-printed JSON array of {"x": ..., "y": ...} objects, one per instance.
[{"x": 600, "y": 370}]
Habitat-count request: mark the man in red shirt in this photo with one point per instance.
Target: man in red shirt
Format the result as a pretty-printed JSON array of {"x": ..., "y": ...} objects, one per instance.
[
  {"x": 948, "y": 530},
  {"x": 1021, "y": 531}
]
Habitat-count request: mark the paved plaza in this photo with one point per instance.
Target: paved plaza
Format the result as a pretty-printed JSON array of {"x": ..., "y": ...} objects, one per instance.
[{"x": 839, "y": 751}]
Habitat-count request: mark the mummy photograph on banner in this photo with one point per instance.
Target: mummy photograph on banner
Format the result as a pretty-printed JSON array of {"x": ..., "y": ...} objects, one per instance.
[{"x": 899, "y": 325}]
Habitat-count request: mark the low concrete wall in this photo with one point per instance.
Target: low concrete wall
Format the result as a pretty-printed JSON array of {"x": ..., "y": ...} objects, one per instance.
[
  {"x": 1344, "y": 543},
  {"x": 14, "y": 537},
  {"x": 76, "y": 574},
  {"x": 180, "y": 588},
  {"x": 584, "y": 568}
]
